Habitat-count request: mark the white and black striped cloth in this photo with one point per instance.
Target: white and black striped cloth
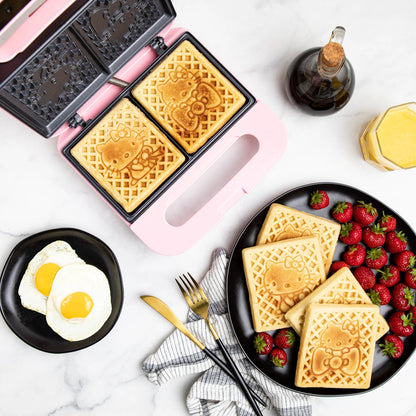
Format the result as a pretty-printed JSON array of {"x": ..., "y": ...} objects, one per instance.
[{"x": 214, "y": 393}]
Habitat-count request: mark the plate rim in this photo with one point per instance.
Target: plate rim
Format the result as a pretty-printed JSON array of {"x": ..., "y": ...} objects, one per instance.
[
  {"x": 76, "y": 345},
  {"x": 346, "y": 392}
]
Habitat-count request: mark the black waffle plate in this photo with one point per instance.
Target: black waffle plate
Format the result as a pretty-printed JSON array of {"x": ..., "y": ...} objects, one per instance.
[{"x": 239, "y": 304}]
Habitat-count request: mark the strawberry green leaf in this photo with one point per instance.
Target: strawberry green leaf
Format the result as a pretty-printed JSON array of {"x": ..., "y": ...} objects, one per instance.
[
  {"x": 374, "y": 296},
  {"x": 409, "y": 296},
  {"x": 388, "y": 348}
]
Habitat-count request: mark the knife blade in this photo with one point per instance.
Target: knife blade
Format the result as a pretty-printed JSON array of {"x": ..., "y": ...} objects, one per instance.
[{"x": 166, "y": 312}]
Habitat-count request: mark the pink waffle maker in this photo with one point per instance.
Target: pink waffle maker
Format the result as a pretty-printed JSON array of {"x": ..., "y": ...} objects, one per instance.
[{"x": 70, "y": 62}]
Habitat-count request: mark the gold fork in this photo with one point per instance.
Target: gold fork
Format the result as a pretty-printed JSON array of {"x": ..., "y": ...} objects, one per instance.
[{"x": 198, "y": 302}]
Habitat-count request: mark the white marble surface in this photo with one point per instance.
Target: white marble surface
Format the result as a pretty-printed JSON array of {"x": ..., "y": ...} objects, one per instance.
[{"x": 256, "y": 40}]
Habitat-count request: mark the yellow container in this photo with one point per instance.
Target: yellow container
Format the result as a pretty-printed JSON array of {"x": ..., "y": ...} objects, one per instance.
[{"x": 389, "y": 140}]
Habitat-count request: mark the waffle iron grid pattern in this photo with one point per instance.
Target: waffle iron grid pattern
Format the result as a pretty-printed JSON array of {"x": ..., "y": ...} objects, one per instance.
[
  {"x": 198, "y": 69},
  {"x": 122, "y": 185},
  {"x": 268, "y": 308},
  {"x": 53, "y": 78},
  {"x": 284, "y": 222},
  {"x": 111, "y": 27},
  {"x": 318, "y": 322}
]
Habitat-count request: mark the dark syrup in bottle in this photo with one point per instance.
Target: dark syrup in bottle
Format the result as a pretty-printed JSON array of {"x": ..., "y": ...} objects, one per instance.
[{"x": 320, "y": 81}]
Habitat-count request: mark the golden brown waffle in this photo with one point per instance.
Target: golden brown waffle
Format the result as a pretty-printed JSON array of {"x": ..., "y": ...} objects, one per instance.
[
  {"x": 127, "y": 155},
  {"x": 283, "y": 222},
  {"x": 189, "y": 96},
  {"x": 337, "y": 346},
  {"x": 341, "y": 287},
  {"x": 278, "y": 275}
]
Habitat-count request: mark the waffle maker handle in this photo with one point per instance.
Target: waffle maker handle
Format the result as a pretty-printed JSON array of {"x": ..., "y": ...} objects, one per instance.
[
  {"x": 42, "y": 14},
  {"x": 153, "y": 228}
]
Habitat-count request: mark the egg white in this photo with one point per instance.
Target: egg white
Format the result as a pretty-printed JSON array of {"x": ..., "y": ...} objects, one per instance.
[
  {"x": 58, "y": 252},
  {"x": 79, "y": 278}
]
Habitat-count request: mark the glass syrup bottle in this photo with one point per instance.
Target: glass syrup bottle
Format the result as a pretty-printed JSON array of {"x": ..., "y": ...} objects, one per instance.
[{"x": 320, "y": 81}]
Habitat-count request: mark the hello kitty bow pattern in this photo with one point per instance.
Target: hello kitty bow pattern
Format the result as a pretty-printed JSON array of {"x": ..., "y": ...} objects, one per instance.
[
  {"x": 188, "y": 98},
  {"x": 296, "y": 263},
  {"x": 338, "y": 349},
  {"x": 126, "y": 150}
]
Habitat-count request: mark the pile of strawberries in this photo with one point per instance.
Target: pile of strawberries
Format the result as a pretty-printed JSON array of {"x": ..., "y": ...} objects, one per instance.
[
  {"x": 264, "y": 345},
  {"x": 378, "y": 256}
]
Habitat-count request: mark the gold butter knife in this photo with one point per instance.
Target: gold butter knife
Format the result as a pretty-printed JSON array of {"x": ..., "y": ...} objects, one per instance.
[{"x": 166, "y": 312}]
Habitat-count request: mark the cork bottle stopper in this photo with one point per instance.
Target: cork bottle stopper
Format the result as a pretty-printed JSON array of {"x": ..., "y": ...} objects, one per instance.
[{"x": 332, "y": 54}]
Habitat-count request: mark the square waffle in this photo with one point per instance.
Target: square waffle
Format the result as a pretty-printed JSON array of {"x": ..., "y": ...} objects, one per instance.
[
  {"x": 127, "y": 155},
  {"x": 189, "y": 96},
  {"x": 341, "y": 287},
  {"x": 283, "y": 222},
  {"x": 278, "y": 275},
  {"x": 337, "y": 346}
]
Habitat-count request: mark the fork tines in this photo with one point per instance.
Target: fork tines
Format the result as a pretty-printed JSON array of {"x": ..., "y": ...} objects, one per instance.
[{"x": 190, "y": 288}]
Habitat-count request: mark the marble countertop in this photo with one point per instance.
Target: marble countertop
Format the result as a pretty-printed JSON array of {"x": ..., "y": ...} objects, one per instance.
[{"x": 255, "y": 40}]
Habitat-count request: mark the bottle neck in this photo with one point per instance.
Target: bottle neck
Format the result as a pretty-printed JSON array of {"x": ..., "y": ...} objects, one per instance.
[{"x": 331, "y": 59}]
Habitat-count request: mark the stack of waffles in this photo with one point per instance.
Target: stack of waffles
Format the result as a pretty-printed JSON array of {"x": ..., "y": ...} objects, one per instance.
[{"x": 286, "y": 275}]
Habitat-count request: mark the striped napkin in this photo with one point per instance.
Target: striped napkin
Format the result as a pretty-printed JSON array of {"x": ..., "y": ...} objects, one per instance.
[{"x": 214, "y": 393}]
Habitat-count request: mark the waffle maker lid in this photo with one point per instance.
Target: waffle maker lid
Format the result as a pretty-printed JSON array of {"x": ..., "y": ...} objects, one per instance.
[{"x": 83, "y": 48}]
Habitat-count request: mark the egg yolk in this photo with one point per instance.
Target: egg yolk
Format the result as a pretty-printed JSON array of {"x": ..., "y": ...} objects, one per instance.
[
  {"x": 76, "y": 305},
  {"x": 44, "y": 277}
]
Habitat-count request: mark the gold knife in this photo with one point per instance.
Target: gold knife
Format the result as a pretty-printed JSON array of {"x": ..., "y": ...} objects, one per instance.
[{"x": 166, "y": 312}]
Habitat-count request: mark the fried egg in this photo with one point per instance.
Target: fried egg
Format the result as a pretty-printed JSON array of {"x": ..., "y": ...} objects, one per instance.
[
  {"x": 38, "y": 278},
  {"x": 79, "y": 302}
]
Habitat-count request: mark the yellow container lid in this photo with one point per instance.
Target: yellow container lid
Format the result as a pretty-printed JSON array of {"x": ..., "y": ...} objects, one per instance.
[{"x": 392, "y": 137}]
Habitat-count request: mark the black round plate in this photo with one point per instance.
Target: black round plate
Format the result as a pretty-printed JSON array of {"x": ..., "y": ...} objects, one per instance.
[
  {"x": 239, "y": 304},
  {"x": 31, "y": 326}
]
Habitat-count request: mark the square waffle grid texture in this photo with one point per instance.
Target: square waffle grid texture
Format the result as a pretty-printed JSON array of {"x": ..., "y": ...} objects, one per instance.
[
  {"x": 283, "y": 222},
  {"x": 53, "y": 78},
  {"x": 113, "y": 26},
  {"x": 278, "y": 275},
  {"x": 127, "y": 155},
  {"x": 337, "y": 346},
  {"x": 189, "y": 96},
  {"x": 341, "y": 288}
]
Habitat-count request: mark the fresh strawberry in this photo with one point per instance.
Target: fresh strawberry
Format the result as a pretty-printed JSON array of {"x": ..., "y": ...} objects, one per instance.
[
  {"x": 376, "y": 258},
  {"x": 402, "y": 297},
  {"x": 319, "y": 199},
  {"x": 365, "y": 277},
  {"x": 336, "y": 265},
  {"x": 263, "y": 343},
  {"x": 410, "y": 278},
  {"x": 342, "y": 212},
  {"x": 363, "y": 213},
  {"x": 392, "y": 346},
  {"x": 373, "y": 236},
  {"x": 355, "y": 255},
  {"x": 401, "y": 323},
  {"x": 278, "y": 357},
  {"x": 379, "y": 294},
  {"x": 389, "y": 275},
  {"x": 396, "y": 241},
  {"x": 405, "y": 260},
  {"x": 350, "y": 233},
  {"x": 285, "y": 338},
  {"x": 388, "y": 222}
]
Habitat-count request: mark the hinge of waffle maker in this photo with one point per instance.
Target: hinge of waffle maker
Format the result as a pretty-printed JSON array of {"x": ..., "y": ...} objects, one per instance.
[
  {"x": 158, "y": 44},
  {"x": 76, "y": 120}
]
